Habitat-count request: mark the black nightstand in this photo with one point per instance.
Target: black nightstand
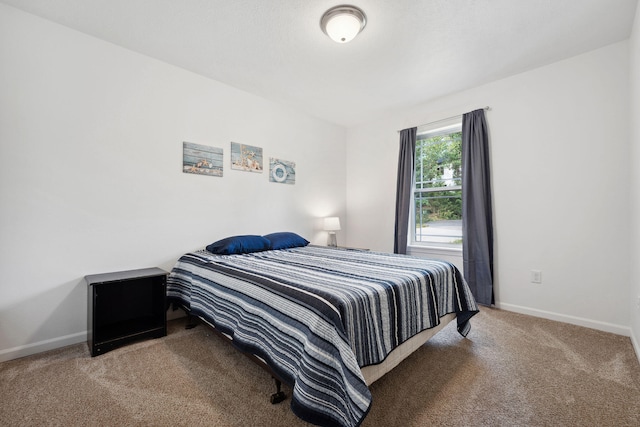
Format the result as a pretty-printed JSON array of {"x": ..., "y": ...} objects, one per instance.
[
  {"x": 352, "y": 249},
  {"x": 125, "y": 306}
]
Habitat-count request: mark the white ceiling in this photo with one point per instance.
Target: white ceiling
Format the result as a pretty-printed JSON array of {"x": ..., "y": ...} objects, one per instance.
[{"x": 410, "y": 52}]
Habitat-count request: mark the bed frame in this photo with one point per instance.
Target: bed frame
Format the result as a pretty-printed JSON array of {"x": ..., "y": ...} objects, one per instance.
[
  {"x": 373, "y": 373},
  {"x": 370, "y": 373}
]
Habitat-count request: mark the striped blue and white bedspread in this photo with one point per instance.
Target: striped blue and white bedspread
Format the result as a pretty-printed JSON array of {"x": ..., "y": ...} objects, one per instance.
[{"x": 316, "y": 315}]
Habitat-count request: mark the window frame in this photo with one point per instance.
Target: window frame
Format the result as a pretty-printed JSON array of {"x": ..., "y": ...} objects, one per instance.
[{"x": 441, "y": 127}]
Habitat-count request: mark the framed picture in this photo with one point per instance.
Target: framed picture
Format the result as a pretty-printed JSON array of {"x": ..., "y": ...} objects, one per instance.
[
  {"x": 282, "y": 171},
  {"x": 246, "y": 157},
  {"x": 201, "y": 159}
]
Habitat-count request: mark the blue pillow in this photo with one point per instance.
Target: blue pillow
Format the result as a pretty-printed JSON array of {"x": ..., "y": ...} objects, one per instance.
[
  {"x": 239, "y": 245},
  {"x": 285, "y": 240}
]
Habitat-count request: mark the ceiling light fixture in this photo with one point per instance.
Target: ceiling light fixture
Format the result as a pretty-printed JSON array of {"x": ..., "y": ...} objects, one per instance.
[{"x": 342, "y": 23}]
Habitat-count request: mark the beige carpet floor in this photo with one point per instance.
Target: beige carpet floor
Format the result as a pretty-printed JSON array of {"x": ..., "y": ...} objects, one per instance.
[{"x": 512, "y": 370}]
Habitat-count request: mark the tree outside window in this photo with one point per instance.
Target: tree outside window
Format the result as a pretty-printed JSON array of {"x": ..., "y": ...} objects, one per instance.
[{"x": 438, "y": 188}]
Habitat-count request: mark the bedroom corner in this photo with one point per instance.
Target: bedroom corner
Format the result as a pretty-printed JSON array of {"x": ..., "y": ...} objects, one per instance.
[{"x": 634, "y": 285}]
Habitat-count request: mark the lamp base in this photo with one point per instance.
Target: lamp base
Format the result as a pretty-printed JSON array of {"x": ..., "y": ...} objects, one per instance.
[{"x": 331, "y": 241}]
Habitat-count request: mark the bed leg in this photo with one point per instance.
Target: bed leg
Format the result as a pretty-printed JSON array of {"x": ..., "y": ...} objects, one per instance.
[
  {"x": 279, "y": 395},
  {"x": 192, "y": 322}
]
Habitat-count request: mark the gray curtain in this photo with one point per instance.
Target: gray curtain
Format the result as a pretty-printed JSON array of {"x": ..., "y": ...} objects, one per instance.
[
  {"x": 477, "y": 214},
  {"x": 404, "y": 188}
]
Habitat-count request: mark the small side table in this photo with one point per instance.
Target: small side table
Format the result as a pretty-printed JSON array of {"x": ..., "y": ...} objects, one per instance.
[{"x": 125, "y": 306}]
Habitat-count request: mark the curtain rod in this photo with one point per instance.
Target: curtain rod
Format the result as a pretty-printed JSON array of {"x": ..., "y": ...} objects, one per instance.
[{"x": 487, "y": 108}]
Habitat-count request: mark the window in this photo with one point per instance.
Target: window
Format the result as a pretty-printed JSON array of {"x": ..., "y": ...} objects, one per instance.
[{"x": 437, "y": 213}]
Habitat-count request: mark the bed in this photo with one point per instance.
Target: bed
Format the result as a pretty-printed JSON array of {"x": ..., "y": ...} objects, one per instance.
[{"x": 327, "y": 321}]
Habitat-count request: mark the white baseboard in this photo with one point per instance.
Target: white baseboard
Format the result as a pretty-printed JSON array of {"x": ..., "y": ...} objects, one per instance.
[
  {"x": 53, "y": 343},
  {"x": 636, "y": 346},
  {"x": 39, "y": 347},
  {"x": 579, "y": 321}
]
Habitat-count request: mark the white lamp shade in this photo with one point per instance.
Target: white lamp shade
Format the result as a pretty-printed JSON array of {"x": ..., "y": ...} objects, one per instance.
[
  {"x": 343, "y": 28},
  {"x": 342, "y": 23},
  {"x": 332, "y": 223}
]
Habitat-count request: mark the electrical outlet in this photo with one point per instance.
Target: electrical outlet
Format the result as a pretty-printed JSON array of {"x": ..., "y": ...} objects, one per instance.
[{"x": 536, "y": 276}]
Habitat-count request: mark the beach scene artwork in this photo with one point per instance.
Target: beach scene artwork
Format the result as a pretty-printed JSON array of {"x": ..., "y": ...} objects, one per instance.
[
  {"x": 282, "y": 171},
  {"x": 201, "y": 159},
  {"x": 246, "y": 157}
]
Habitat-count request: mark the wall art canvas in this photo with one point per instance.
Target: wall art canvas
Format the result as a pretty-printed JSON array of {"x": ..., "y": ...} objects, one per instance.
[
  {"x": 201, "y": 159},
  {"x": 282, "y": 171},
  {"x": 246, "y": 157}
]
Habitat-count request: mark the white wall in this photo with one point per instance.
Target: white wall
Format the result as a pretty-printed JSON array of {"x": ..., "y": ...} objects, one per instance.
[
  {"x": 90, "y": 177},
  {"x": 559, "y": 139},
  {"x": 634, "y": 297},
  {"x": 91, "y": 174}
]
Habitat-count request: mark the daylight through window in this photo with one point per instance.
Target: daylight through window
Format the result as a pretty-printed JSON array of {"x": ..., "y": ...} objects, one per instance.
[{"x": 438, "y": 186}]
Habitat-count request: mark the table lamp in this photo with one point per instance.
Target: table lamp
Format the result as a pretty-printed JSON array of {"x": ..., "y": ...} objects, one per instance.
[{"x": 332, "y": 224}]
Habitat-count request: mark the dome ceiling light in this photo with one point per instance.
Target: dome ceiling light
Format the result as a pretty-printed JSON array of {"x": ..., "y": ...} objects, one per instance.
[{"x": 342, "y": 23}]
